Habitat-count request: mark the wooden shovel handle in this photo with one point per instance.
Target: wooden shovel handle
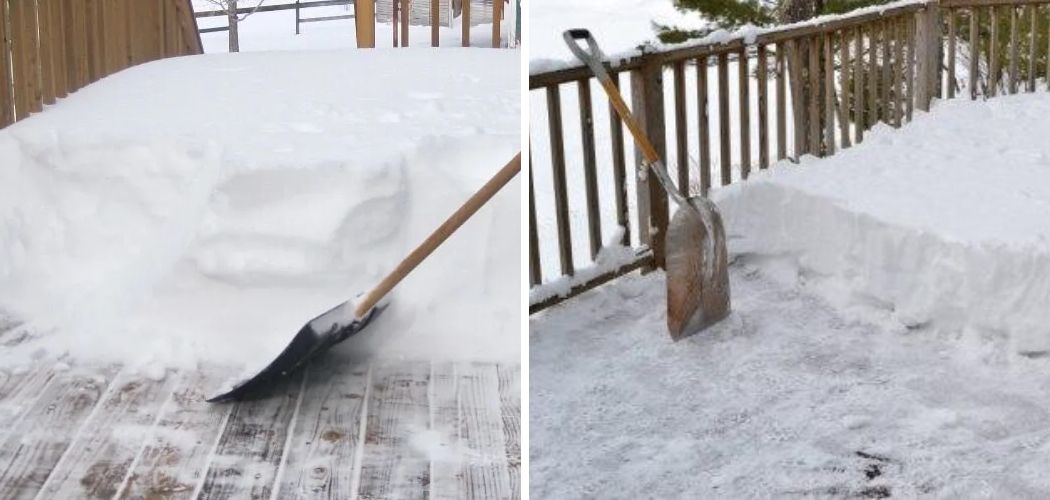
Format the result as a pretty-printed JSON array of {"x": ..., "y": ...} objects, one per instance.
[{"x": 439, "y": 236}]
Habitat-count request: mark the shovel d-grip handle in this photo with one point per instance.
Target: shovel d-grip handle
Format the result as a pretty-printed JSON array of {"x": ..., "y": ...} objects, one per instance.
[
  {"x": 592, "y": 57},
  {"x": 472, "y": 205}
]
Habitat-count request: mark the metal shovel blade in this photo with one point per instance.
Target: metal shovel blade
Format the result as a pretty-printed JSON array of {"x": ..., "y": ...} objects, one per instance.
[
  {"x": 697, "y": 269},
  {"x": 307, "y": 345}
]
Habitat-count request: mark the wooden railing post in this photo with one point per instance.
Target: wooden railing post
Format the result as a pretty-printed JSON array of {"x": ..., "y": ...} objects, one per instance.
[
  {"x": 647, "y": 101},
  {"x": 365, "y": 21},
  {"x": 927, "y": 54}
]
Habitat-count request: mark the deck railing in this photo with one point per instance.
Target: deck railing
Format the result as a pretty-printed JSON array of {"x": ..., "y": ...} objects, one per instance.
[
  {"x": 812, "y": 88},
  {"x": 50, "y": 48}
]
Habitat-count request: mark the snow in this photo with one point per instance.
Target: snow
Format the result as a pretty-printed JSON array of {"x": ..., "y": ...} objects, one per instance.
[
  {"x": 202, "y": 209},
  {"x": 612, "y": 256},
  {"x": 940, "y": 226},
  {"x": 786, "y": 397}
]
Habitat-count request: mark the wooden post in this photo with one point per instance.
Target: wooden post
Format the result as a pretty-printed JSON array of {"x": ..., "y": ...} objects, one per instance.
[
  {"x": 365, "y": 23},
  {"x": 465, "y": 17},
  {"x": 406, "y": 10},
  {"x": 435, "y": 20},
  {"x": 394, "y": 19},
  {"x": 975, "y": 50},
  {"x": 647, "y": 96},
  {"x": 535, "y": 266},
  {"x": 7, "y": 101},
  {"x": 298, "y": 16},
  {"x": 497, "y": 16},
  {"x": 927, "y": 54}
]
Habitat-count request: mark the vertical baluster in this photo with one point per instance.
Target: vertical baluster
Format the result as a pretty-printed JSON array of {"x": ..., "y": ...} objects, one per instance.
[
  {"x": 744, "y": 81},
  {"x": 561, "y": 194},
  {"x": 590, "y": 166},
  {"x": 704, "y": 127},
  {"x": 763, "y": 112},
  {"x": 681, "y": 128}
]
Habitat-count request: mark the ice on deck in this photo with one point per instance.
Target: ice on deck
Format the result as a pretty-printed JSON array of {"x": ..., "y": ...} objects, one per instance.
[{"x": 942, "y": 225}]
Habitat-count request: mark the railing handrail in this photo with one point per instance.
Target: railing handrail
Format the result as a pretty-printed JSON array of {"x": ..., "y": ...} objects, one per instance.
[{"x": 747, "y": 37}]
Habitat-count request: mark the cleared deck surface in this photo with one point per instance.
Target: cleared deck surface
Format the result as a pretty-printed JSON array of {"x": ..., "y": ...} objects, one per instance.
[{"x": 397, "y": 430}]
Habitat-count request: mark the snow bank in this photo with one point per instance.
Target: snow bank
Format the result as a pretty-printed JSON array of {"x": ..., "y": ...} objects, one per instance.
[
  {"x": 941, "y": 225},
  {"x": 202, "y": 209}
]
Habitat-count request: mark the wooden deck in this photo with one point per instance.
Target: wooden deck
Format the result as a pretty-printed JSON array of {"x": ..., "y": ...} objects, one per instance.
[{"x": 388, "y": 430}]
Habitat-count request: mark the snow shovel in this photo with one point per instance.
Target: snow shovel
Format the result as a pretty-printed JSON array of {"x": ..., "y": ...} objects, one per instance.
[
  {"x": 695, "y": 246},
  {"x": 352, "y": 316}
]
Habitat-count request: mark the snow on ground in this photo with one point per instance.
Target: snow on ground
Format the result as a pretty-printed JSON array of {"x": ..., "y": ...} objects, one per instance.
[
  {"x": 202, "y": 209},
  {"x": 786, "y": 398},
  {"x": 275, "y": 30},
  {"x": 939, "y": 227}
]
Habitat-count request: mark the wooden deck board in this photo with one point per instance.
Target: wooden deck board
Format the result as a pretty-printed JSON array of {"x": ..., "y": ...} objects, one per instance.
[
  {"x": 510, "y": 405},
  {"x": 398, "y": 409},
  {"x": 47, "y": 429},
  {"x": 252, "y": 445},
  {"x": 96, "y": 464},
  {"x": 322, "y": 457},
  {"x": 447, "y": 482},
  {"x": 481, "y": 430},
  {"x": 177, "y": 455},
  {"x": 442, "y": 430}
]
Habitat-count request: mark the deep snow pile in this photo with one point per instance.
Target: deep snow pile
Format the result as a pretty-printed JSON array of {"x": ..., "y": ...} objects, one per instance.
[
  {"x": 941, "y": 226},
  {"x": 785, "y": 398},
  {"x": 201, "y": 209}
]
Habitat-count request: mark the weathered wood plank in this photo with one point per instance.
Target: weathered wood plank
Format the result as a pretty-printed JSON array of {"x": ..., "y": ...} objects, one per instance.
[
  {"x": 951, "y": 53},
  {"x": 993, "y": 54},
  {"x": 619, "y": 167},
  {"x": 465, "y": 22},
  {"x": 393, "y": 466},
  {"x": 744, "y": 84},
  {"x": 481, "y": 431},
  {"x": 435, "y": 23},
  {"x": 829, "y": 95},
  {"x": 798, "y": 104},
  {"x": 887, "y": 71},
  {"x": 97, "y": 463},
  {"x": 1033, "y": 40},
  {"x": 781, "y": 102},
  {"x": 815, "y": 97},
  {"x": 858, "y": 85},
  {"x": 510, "y": 406},
  {"x": 561, "y": 193},
  {"x": 322, "y": 460},
  {"x": 1014, "y": 50},
  {"x": 763, "y": 107},
  {"x": 174, "y": 461},
  {"x": 46, "y": 34},
  {"x": 975, "y": 50},
  {"x": 37, "y": 443},
  {"x": 909, "y": 66},
  {"x": 681, "y": 129},
  {"x": 703, "y": 128},
  {"x": 898, "y": 72},
  {"x": 7, "y": 98},
  {"x": 590, "y": 166},
  {"x": 724, "y": 150},
  {"x": 253, "y": 444},
  {"x": 844, "y": 84},
  {"x": 20, "y": 388},
  {"x": 446, "y": 480},
  {"x": 60, "y": 59},
  {"x": 535, "y": 266},
  {"x": 873, "y": 77}
]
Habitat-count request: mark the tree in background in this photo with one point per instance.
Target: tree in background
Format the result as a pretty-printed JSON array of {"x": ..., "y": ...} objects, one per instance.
[
  {"x": 733, "y": 14},
  {"x": 230, "y": 6}
]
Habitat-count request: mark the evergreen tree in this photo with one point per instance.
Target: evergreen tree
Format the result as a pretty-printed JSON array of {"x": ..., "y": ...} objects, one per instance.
[{"x": 732, "y": 14}]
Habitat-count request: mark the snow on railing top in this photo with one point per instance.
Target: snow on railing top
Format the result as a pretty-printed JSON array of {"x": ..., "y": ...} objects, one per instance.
[{"x": 748, "y": 35}]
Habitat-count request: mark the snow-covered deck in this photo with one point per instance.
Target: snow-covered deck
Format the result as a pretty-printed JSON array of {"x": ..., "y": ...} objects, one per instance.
[{"x": 395, "y": 430}]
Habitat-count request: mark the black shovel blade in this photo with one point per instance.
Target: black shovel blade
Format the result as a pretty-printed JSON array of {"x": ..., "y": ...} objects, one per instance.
[{"x": 307, "y": 345}]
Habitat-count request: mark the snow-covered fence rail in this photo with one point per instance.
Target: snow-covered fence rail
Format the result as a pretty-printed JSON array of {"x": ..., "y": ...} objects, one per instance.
[
  {"x": 49, "y": 48},
  {"x": 741, "y": 101}
]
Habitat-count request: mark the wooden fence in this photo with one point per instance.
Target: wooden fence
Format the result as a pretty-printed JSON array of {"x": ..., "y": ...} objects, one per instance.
[
  {"x": 50, "y": 48},
  {"x": 828, "y": 83},
  {"x": 402, "y": 10}
]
